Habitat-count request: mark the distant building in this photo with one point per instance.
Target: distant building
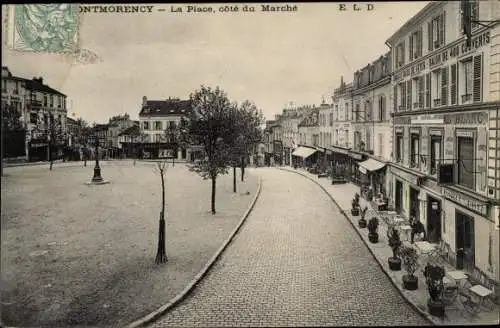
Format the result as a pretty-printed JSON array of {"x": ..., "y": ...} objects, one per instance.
[
  {"x": 40, "y": 107},
  {"x": 155, "y": 117}
]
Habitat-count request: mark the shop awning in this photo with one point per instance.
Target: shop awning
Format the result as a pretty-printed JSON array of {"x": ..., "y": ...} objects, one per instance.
[
  {"x": 370, "y": 165},
  {"x": 303, "y": 152}
]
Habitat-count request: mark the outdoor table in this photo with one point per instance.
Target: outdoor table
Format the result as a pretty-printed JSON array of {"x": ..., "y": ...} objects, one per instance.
[
  {"x": 405, "y": 231},
  {"x": 398, "y": 220},
  {"x": 481, "y": 291},
  {"x": 457, "y": 276},
  {"x": 425, "y": 247}
]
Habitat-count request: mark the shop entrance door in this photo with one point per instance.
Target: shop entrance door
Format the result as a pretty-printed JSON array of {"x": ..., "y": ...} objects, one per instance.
[
  {"x": 433, "y": 220},
  {"x": 414, "y": 204},
  {"x": 398, "y": 202},
  {"x": 465, "y": 247}
]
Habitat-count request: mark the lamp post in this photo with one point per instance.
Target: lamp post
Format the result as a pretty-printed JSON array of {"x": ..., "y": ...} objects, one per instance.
[{"x": 97, "y": 178}]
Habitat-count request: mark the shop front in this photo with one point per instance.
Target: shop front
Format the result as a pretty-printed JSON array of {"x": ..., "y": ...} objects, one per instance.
[
  {"x": 405, "y": 195},
  {"x": 373, "y": 171},
  {"x": 470, "y": 229},
  {"x": 304, "y": 156},
  {"x": 355, "y": 175},
  {"x": 278, "y": 152}
]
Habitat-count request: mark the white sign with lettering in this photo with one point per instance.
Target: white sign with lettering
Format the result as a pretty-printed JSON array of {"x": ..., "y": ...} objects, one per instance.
[{"x": 466, "y": 202}]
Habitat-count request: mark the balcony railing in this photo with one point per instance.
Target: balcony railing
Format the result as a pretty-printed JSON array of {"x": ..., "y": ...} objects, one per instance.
[
  {"x": 437, "y": 102},
  {"x": 466, "y": 98}
]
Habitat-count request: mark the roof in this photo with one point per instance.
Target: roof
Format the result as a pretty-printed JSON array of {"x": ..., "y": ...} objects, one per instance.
[
  {"x": 166, "y": 107},
  {"x": 100, "y": 127},
  {"x": 133, "y": 130},
  {"x": 37, "y": 86},
  {"x": 311, "y": 118},
  {"x": 70, "y": 120}
]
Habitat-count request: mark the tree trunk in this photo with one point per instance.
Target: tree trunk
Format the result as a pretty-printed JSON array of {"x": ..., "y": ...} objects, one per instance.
[
  {"x": 173, "y": 161},
  {"x": 50, "y": 157},
  {"x": 213, "y": 194},
  {"x": 242, "y": 169},
  {"x": 161, "y": 254},
  {"x": 234, "y": 178}
]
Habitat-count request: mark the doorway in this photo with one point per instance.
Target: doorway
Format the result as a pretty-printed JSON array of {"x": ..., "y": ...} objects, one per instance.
[
  {"x": 399, "y": 197},
  {"x": 433, "y": 219},
  {"x": 465, "y": 246},
  {"x": 414, "y": 203}
]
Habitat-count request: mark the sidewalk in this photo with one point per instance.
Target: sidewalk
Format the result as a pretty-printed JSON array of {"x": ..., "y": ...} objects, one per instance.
[{"x": 342, "y": 195}]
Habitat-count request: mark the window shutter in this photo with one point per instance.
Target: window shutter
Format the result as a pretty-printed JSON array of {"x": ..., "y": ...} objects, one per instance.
[
  {"x": 453, "y": 85},
  {"x": 395, "y": 98},
  {"x": 408, "y": 94},
  {"x": 421, "y": 89},
  {"x": 429, "y": 35},
  {"x": 476, "y": 85},
  {"x": 444, "y": 86},
  {"x": 428, "y": 91},
  {"x": 442, "y": 33},
  {"x": 411, "y": 46},
  {"x": 403, "y": 57},
  {"x": 419, "y": 41}
]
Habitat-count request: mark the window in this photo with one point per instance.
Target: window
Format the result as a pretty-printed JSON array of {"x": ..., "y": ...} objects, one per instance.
[
  {"x": 474, "y": 14},
  {"x": 336, "y": 112},
  {"x": 16, "y": 89},
  {"x": 64, "y": 102},
  {"x": 402, "y": 97},
  {"x": 347, "y": 111},
  {"x": 428, "y": 88},
  {"x": 51, "y": 100},
  {"x": 346, "y": 137},
  {"x": 145, "y": 125},
  {"x": 158, "y": 125},
  {"x": 381, "y": 108},
  {"x": 171, "y": 124},
  {"x": 465, "y": 152},
  {"x": 436, "y": 32},
  {"x": 400, "y": 54},
  {"x": 470, "y": 79},
  {"x": 453, "y": 84},
  {"x": 33, "y": 118},
  {"x": 4, "y": 85},
  {"x": 399, "y": 147},
  {"x": 436, "y": 153},
  {"x": 380, "y": 144},
  {"x": 444, "y": 86},
  {"x": 414, "y": 150},
  {"x": 368, "y": 111},
  {"x": 58, "y": 102},
  {"x": 357, "y": 112},
  {"x": 415, "y": 43},
  {"x": 337, "y": 136},
  {"x": 45, "y": 100},
  {"x": 436, "y": 92},
  {"x": 415, "y": 92},
  {"x": 331, "y": 119},
  {"x": 421, "y": 91},
  {"x": 368, "y": 141}
]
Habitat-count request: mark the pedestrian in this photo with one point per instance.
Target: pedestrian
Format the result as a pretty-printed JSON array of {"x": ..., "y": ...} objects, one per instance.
[{"x": 416, "y": 228}]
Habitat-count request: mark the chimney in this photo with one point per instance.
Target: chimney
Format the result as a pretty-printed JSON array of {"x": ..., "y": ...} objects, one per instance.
[{"x": 144, "y": 101}]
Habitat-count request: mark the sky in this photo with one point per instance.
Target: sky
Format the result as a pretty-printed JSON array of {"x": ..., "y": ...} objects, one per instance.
[{"x": 270, "y": 58}]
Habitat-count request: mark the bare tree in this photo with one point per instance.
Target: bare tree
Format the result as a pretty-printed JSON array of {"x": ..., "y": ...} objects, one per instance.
[{"x": 161, "y": 254}]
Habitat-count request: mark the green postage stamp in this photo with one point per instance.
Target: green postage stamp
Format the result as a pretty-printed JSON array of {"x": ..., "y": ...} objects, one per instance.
[{"x": 43, "y": 27}]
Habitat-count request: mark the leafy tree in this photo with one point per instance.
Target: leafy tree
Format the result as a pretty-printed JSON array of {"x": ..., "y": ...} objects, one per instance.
[
  {"x": 11, "y": 125},
  {"x": 118, "y": 118},
  {"x": 55, "y": 136},
  {"x": 176, "y": 135},
  {"x": 210, "y": 127}
]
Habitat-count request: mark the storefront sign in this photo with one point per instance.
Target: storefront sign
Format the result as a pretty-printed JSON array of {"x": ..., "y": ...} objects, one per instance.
[
  {"x": 465, "y": 201},
  {"x": 466, "y": 118},
  {"x": 38, "y": 145},
  {"x": 442, "y": 57},
  {"x": 406, "y": 176},
  {"x": 427, "y": 119},
  {"x": 404, "y": 120},
  {"x": 340, "y": 150}
]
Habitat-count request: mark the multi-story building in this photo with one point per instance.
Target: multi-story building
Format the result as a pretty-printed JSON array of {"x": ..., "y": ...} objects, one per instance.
[
  {"x": 157, "y": 116},
  {"x": 371, "y": 122},
  {"x": 307, "y": 152},
  {"x": 129, "y": 139},
  {"x": 43, "y": 113},
  {"x": 446, "y": 154},
  {"x": 342, "y": 132}
]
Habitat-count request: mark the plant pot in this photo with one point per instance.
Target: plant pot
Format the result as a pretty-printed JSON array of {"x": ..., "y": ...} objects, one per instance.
[
  {"x": 362, "y": 223},
  {"x": 394, "y": 263},
  {"x": 436, "y": 308},
  {"x": 373, "y": 237},
  {"x": 410, "y": 282},
  {"x": 355, "y": 211}
]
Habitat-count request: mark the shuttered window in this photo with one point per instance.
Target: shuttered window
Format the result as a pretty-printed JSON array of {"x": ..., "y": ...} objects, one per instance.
[
  {"x": 428, "y": 90},
  {"x": 465, "y": 149},
  {"x": 403, "y": 96},
  {"x": 411, "y": 46},
  {"x": 478, "y": 67},
  {"x": 453, "y": 85},
  {"x": 421, "y": 89},
  {"x": 430, "y": 36},
  {"x": 444, "y": 86},
  {"x": 395, "y": 98},
  {"x": 408, "y": 95},
  {"x": 442, "y": 34}
]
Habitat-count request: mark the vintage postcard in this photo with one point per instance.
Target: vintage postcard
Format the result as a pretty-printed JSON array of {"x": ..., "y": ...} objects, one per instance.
[{"x": 250, "y": 164}]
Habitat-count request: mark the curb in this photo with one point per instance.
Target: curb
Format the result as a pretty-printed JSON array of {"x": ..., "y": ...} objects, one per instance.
[
  {"x": 427, "y": 316},
  {"x": 162, "y": 310}
]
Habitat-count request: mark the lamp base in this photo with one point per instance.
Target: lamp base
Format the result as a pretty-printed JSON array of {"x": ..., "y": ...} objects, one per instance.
[{"x": 92, "y": 182}]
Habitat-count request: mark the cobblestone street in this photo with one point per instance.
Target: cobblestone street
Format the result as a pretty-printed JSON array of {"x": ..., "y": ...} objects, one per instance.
[{"x": 295, "y": 262}]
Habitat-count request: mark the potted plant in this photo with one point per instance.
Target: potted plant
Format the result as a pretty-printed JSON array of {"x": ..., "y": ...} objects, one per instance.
[
  {"x": 355, "y": 205},
  {"x": 434, "y": 275},
  {"x": 372, "y": 228},
  {"x": 409, "y": 258},
  {"x": 395, "y": 244},
  {"x": 362, "y": 221}
]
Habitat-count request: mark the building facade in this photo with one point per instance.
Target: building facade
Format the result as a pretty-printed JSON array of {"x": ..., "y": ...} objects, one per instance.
[
  {"x": 446, "y": 150},
  {"x": 43, "y": 114},
  {"x": 157, "y": 116}
]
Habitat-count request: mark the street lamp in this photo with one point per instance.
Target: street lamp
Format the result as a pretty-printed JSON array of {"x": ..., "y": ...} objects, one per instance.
[{"x": 97, "y": 178}]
